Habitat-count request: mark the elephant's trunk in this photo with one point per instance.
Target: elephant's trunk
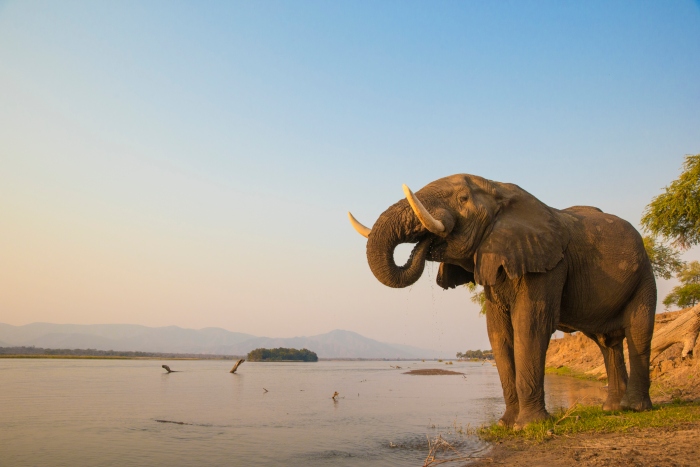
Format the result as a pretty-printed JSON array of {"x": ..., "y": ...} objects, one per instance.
[{"x": 397, "y": 225}]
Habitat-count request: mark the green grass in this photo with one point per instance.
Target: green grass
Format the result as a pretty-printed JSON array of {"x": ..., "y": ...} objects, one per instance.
[
  {"x": 566, "y": 371},
  {"x": 592, "y": 419}
]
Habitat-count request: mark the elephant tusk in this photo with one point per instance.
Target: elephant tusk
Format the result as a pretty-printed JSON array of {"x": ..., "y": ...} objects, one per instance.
[
  {"x": 361, "y": 229},
  {"x": 428, "y": 221}
]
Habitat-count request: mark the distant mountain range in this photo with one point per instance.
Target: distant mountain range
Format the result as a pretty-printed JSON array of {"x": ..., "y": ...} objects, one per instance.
[{"x": 173, "y": 339}]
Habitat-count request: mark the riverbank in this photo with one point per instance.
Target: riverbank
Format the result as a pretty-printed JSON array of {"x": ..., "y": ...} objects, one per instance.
[
  {"x": 94, "y": 354},
  {"x": 672, "y": 446},
  {"x": 672, "y": 377},
  {"x": 586, "y": 436},
  {"x": 105, "y": 357}
]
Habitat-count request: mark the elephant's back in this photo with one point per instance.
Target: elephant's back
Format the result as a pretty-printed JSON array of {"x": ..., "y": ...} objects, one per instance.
[
  {"x": 605, "y": 234},
  {"x": 606, "y": 260},
  {"x": 583, "y": 209}
]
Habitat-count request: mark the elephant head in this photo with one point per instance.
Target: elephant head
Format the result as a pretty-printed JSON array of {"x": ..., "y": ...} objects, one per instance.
[{"x": 479, "y": 230}]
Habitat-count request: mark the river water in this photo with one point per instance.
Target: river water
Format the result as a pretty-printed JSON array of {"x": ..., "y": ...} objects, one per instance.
[{"x": 131, "y": 413}]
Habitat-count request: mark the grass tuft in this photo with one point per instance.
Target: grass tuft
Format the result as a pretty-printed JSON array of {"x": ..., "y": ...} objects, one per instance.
[
  {"x": 592, "y": 419},
  {"x": 567, "y": 371}
]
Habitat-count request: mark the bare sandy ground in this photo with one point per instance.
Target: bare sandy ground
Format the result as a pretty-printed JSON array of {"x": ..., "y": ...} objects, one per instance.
[{"x": 667, "y": 447}]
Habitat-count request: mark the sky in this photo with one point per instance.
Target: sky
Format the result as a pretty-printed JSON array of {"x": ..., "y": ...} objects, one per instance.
[{"x": 192, "y": 163}]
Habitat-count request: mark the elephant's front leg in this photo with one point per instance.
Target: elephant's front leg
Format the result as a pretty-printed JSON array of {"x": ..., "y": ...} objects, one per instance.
[
  {"x": 534, "y": 317},
  {"x": 500, "y": 333}
]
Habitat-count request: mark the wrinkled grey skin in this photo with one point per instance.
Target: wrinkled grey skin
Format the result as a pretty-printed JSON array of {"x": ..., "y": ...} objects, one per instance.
[{"x": 542, "y": 269}]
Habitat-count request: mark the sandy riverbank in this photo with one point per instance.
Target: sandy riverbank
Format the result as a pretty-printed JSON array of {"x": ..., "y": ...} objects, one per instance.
[
  {"x": 674, "y": 445},
  {"x": 668, "y": 447}
]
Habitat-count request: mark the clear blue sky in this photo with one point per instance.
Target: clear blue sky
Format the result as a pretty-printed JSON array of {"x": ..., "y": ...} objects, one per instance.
[{"x": 191, "y": 163}]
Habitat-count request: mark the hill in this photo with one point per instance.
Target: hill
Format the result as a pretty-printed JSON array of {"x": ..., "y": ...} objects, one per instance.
[{"x": 173, "y": 339}]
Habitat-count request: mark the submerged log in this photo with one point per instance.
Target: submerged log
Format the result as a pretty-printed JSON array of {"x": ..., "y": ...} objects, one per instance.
[
  {"x": 683, "y": 329},
  {"x": 235, "y": 367}
]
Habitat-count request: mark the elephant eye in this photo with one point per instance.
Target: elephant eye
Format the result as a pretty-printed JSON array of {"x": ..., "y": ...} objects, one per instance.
[{"x": 463, "y": 198}]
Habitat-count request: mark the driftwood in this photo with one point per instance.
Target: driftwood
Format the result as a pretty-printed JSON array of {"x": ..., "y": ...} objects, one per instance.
[
  {"x": 683, "y": 329},
  {"x": 235, "y": 367}
]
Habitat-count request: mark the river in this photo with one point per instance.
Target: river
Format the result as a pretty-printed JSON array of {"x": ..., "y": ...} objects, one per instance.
[{"x": 131, "y": 413}]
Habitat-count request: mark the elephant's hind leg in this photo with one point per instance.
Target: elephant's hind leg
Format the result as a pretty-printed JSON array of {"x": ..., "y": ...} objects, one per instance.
[
  {"x": 611, "y": 347},
  {"x": 639, "y": 327}
]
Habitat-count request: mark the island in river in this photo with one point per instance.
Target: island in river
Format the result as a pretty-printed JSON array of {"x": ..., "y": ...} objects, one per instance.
[{"x": 282, "y": 354}]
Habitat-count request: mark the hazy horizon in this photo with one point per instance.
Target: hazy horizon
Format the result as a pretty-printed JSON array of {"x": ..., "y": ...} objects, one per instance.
[{"x": 188, "y": 164}]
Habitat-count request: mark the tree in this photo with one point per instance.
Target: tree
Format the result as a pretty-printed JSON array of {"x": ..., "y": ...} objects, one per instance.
[
  {"x": 281, "y": 354},
  {"x": 675, "y": 214},
  {"x": 665, "y": 260},
  {"x": 478, "y": 296},
  {"x": 476, "y": 354},
  {"x": 688, "y": 293}
]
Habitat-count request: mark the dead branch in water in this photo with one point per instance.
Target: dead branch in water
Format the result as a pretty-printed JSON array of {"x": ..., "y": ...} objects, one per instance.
[
  {"x": 439, "y": 443},
  {"x": 235, "y": 367}
]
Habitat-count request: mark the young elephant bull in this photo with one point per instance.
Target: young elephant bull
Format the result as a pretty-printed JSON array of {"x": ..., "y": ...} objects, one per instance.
[{"x": 542, "y": 269}]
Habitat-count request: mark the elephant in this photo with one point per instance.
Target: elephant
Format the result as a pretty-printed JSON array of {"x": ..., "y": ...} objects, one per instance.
[{"x": 542, "y": 269}]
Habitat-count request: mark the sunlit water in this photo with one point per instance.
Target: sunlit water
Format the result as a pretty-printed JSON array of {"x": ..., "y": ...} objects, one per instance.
[{"x": 106, "y": 412}]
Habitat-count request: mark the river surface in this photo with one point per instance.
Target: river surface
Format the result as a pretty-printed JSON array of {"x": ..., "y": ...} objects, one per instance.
[{"x": 120, "y": 412}]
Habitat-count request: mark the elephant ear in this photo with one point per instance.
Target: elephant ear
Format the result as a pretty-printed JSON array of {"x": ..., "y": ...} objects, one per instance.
[
  {"x": 527, "y": 236},
  {"x": 450, "y": 276}
]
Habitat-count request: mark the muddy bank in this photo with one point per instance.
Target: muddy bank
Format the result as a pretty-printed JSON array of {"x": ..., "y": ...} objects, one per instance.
[
  {"x": 670, "y": 446},
  {"x": 432, "y": 372}
]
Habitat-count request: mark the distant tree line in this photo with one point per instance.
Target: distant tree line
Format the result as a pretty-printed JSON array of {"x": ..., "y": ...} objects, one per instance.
[
  {"x": 475, "y": 354},
  {"x": 20, "y": 351},
  {"x": 282, "y": 354}
]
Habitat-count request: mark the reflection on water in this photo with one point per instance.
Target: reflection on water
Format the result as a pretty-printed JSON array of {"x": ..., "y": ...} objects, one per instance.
[
  {"x": 564, "y": 391},
  {"x": 129, "y": 412}
]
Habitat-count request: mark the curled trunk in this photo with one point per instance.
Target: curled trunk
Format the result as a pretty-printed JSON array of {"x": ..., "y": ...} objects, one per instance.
[{"x": 395, "y": 226}]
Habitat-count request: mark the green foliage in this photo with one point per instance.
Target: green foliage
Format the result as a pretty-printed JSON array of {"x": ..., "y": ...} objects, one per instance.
[
  {"x": 478, "y": 296},
  {"x": 592, "y": 419},
  {"x": 282, "y": 354},
  {"x": 665, "y": 260},
  {"x": 690, "y": 273},
  {"x": 478, "y": 354},
  {"x": 675, "y": 214},
  {"x": 688, "y": 293}
]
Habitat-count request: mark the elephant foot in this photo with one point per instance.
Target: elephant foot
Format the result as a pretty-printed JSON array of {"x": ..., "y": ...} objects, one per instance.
[
  {"x": 508, "y": 418},
  {"x": 525, "y": 419},
  {"x": 639, "y": 405},
  {"x": 613, "y": 404}
]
